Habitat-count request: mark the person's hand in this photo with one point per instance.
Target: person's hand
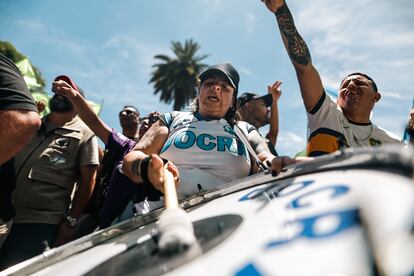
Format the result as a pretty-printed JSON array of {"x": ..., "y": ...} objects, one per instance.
[
  {"x": 280, "y": 162},
  {"x": 156, "y": 172},
  {"x": 40, "y": 106},
  {"x": 64, "y": 235},
  {"x": 154, "y": 113},
  {"x": 275, "y": 90},
  {"x": 273, "y": 5},
  {"x": 63, "y": 88}
]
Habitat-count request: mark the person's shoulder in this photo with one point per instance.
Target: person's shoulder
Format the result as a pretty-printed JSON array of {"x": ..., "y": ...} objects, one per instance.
[
  {"x": 76, "y": 124},
  {"x": 121, "y": 139},
  {"x": 325, "y": 102},
  {"x": 169, "y": 117},
  {"x": 246, "y": 127},
  {"x": 385, "y": 135},
  {"x": 174, "y": 114}
]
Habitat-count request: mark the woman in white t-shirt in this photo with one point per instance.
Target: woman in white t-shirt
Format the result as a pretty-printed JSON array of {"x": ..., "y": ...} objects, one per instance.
[{"x": 200, "y": 147}]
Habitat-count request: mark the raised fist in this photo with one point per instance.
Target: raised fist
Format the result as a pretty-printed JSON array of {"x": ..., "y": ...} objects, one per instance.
[{"x": 273, "y": 5}]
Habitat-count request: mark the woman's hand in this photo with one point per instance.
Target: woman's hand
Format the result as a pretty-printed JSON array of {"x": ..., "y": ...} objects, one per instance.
[
  {"x": 156, "y": 172},
  {"x": 280, "y": 162}
]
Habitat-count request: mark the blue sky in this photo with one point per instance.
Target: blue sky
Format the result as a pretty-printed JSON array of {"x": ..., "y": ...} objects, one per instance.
[{"x": 107, "y": 47}]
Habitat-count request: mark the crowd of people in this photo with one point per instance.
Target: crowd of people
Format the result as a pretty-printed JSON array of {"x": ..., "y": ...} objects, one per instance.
[{"x": 57, "y": 184}]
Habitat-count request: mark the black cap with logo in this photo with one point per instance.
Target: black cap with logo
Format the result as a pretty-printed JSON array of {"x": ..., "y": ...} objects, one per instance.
[
  {"x": 247, "y": 97},
  {"x": 225, "y": 69}
]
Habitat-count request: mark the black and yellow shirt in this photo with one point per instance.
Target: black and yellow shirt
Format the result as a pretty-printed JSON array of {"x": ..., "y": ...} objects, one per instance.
[{"x": 329, "y": 130}]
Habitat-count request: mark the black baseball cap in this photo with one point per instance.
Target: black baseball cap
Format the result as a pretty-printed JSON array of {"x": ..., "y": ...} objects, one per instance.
[
  {"x": 247, "y": 97},
  {"x": 225, "y": 69}
]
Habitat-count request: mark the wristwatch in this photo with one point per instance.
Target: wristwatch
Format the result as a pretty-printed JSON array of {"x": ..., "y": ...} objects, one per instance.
[{"x": 71, "y": 220}]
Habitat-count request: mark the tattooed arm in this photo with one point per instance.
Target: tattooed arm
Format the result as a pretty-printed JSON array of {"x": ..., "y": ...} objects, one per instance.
[{"x": 310, "y": 83}]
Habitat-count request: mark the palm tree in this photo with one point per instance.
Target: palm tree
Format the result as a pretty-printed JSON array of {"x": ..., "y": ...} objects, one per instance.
[{"x": 176, "y": 77}]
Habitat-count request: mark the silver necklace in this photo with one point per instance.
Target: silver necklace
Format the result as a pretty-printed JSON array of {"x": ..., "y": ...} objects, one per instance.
[{"x": 366, "y": 138}]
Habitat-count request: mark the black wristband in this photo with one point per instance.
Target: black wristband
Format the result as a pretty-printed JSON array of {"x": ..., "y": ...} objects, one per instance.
[{"x": 143, "y": 168}]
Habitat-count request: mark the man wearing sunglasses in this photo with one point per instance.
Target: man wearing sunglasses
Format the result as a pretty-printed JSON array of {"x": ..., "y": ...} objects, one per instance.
[{"x": 129, "y": 117}]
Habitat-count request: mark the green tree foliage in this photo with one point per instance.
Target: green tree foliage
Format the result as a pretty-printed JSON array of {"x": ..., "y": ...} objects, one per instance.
[
  {"x": 7, "y": 49},
  {"x": 39, "y": 77},
  {"x": 176, "y": 77}
]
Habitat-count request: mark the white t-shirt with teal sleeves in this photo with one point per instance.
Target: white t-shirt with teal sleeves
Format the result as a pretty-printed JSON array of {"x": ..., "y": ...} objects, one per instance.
[{"x": 207, "y": 152}]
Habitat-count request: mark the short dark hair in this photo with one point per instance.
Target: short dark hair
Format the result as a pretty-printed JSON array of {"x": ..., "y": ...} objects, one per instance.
[
  {"x": 133, "y": 107},
  {"x": 374, "y": 85}
]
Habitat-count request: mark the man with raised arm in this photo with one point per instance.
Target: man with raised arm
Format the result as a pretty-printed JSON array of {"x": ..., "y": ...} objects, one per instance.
[
  {"x": 62, "y": 153},
  {"x": 254, "y": 109},
  {"x": 332, "y": 126},
  {"x": 114, "y": 190}
]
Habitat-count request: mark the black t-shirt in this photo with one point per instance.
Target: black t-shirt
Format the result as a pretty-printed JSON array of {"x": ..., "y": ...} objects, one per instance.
[{"x": 14, "y": 94}]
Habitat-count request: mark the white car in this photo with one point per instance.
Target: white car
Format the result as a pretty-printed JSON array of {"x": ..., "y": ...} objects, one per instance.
[{"x": 347, "y": 213}]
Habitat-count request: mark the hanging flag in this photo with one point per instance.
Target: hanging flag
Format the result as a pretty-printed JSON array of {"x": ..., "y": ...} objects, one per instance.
[
  {"x": 28, "y": 73},
  {"x": 41, "y": 98},
  {"x": 95, "y": 106}
]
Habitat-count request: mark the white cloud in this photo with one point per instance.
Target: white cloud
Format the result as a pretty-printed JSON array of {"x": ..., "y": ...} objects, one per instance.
[
  {"x": 246, "y": 71},
  {"x": 351, "y": 35},
  {"x": 290, "y": 143},
  {"x": 31, "y": 25},
  {"x": 391, "y": 122},
  {"x": 120, "y": 54},
  {"x": 101, "y": 69},
  {"x": 250, "y": 21},
  {"x": 395, "y": 95},
  {"x": 139, "y": 51},
  {"x": 211, "y": 3}
]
